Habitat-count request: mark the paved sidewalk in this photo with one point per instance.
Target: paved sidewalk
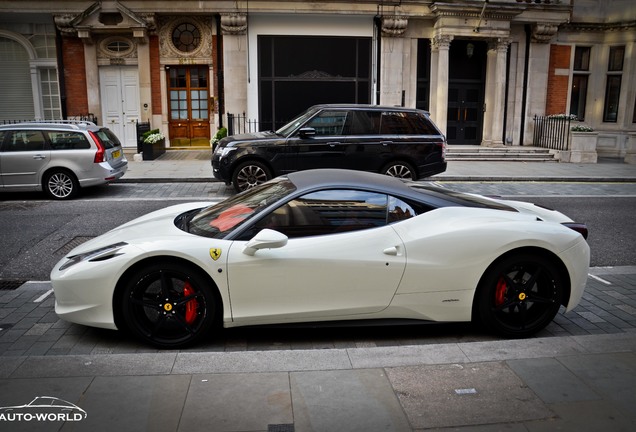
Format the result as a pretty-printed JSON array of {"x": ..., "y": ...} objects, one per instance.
[{"x": 177, "y": 165}]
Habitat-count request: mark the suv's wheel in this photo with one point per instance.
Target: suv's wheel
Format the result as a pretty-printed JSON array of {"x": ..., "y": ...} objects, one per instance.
[
  {"x": 60, "y": 184},
  {"x": 399, "y": 169},
  {"x": 250, "y": 174}
]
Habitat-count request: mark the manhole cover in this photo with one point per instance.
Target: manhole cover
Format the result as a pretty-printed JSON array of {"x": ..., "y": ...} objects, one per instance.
[
  {"x": 76, "y": 241},
  {"x": 10, "y": 285}
]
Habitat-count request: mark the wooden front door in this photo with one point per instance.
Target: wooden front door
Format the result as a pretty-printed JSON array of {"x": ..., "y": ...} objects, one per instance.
[{"x": 189, "y": 102}]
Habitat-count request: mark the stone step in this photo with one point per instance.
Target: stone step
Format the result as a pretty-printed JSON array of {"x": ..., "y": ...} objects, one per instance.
[{"x": 516, "y": 153}]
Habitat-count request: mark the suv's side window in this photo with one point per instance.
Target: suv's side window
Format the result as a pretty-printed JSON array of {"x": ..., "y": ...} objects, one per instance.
[
  {"x": 24, "y": 140},
  {"x": 333, "y": 212},
  {"x": 364, "y": 123},
  {"x": 68, "y": 140},
  {"x": 328, "y": 122},
  {"x": 405, "y": 123}
]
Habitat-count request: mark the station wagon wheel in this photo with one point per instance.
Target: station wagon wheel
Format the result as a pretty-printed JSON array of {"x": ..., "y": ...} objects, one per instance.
[
  {"x": 60, "y": 184},
  {"x": 399, "y": 169},
  {"x": 168, "y": 305},
  {"x": 250, "y": 174},
  {"x": 520, "y": 295}
]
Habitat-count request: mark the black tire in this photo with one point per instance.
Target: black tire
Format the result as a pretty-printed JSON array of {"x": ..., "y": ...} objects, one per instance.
[
  {"x": 399, "y": 169},
  {"x": 520, "y": 295},
  {"x": 60, "y": 184},
  {"x": 250, "y": 174},
  {"x": 168, "y": 305}
]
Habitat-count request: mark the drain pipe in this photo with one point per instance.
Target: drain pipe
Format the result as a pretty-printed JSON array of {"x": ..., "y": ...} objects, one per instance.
[
  {"x": 219, "y": 71},
  {"x": 524, "y": 98}
]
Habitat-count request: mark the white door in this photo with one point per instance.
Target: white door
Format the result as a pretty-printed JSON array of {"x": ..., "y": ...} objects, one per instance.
[{"x": 119, "y": 89}]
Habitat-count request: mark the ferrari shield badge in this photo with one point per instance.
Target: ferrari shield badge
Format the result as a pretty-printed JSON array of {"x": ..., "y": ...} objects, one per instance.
[{"x": 215, "y": 253}]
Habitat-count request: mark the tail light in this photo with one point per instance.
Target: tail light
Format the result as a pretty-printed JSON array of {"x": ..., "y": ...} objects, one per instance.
[
  {"x": 578, "y": 227},
  {"x": 100, "y": 155}
]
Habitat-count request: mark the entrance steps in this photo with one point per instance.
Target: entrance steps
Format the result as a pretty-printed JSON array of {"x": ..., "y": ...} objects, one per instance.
[{"x": 507, "y": 153}]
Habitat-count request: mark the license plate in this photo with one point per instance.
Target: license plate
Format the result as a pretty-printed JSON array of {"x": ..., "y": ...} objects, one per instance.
[{"x": 116, "y": 154}]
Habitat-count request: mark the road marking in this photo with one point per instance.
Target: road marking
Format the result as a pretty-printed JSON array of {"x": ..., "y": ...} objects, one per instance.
[
  {"x": 599, "y": 279},
  {"x": 43, "y": 296}
]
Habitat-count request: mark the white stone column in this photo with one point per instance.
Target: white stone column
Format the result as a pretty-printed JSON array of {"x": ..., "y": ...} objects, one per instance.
[
  {"x": 392, "y": 60},
  {"x": 234, "y": 28},
  {"x": 499, "y": 93},
  {"x": 439, "y": 93},
  {"x": 489, "y": 96},
  {"x": 92, "y": 77},
  {"x": 145, "y": 90}
]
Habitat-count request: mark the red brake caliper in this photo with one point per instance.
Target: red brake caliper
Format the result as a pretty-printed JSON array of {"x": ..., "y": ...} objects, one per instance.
[
  {"x": 500, "y": 292},
  {"x": 191, "y": 305}
]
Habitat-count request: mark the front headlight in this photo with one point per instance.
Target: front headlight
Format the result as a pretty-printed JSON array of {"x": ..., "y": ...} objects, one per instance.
[
  {"x": 100, "y": 254},
  {"x": 221, "y": 152}
]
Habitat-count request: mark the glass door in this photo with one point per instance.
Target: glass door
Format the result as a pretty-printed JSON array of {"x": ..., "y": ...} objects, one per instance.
[{"x": 189, "y": 102}]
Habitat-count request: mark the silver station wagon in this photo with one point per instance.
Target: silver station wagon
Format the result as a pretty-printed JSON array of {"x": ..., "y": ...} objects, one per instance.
[{"x": 58, "y": 157}]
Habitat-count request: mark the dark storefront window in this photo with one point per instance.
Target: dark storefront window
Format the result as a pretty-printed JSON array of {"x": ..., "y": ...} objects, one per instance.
[
  {"x": 613, "y": 86},
  {"x": 423, "y": 74},
  {"x": 578, "y": 92},
  {"x": 296, "y": 72}
]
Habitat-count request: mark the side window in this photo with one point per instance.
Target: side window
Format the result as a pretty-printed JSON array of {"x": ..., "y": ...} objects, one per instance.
[
  {"x": 25, "y": 141},
  {"x": 364, "y": 123},
  {"x": 2, "y": 135},
  {"x": 326, "y": 212},
  {"x": 328, "y": 122},
  {"x": 399, "y": 210},
  {"x": 68, "y": 140},
  {"x": 406, "y": 123}
]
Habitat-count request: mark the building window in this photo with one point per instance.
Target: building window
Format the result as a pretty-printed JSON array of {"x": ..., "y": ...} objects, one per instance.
[
  {"x": 51, "y": 109},
  {"x": 578, "y": 92},
  {"x": 186, "y": 37},
  {"x": 613, "y": 86}
]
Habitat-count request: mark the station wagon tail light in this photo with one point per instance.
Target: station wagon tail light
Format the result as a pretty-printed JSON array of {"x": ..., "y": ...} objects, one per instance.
[{"x": 100, "y": 155}]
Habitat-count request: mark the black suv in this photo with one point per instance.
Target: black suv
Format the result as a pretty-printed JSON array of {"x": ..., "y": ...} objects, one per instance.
[{"x": 400, "y": 142}]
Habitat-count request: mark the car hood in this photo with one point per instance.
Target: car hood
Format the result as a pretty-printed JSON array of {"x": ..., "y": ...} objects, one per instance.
[
  {"x": 250, "y": 137},
  {"x": 144, "y": 229}
]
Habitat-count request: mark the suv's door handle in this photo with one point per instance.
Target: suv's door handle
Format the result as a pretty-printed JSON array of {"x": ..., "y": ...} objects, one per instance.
[
  {"x": 333, "y": 143},
  {"x": 385, "y": 143},
  {"x": 39, "y": 157}
]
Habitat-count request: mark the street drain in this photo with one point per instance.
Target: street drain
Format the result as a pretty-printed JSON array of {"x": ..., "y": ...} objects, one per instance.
[
  {"x": 76, "y": 241},
  {"x": 280, "y": 428},
  {"x": 10, "y": 285}
]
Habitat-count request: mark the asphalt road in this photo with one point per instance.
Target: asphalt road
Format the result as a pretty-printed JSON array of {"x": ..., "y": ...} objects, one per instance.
[{"x": 36, "y": 232}]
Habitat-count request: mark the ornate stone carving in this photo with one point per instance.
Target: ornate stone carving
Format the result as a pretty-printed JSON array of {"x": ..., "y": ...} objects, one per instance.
[
  {"x": 543, "y": 32},
  {"x": 394, "y": 26},
  {"x": 233, "y": 23},
  {"x": 167, "y": 49},
  {"x": 441, "y": 41}
]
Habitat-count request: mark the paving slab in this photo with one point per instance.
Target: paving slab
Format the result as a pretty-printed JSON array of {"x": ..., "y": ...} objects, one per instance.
[
  {"x": 360, "y": 400},
  {"x": 462, "y": 395}
]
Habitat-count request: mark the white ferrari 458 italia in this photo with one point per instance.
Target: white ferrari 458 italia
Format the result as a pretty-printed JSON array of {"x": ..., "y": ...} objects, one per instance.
[{"x": 327, "y": 245}]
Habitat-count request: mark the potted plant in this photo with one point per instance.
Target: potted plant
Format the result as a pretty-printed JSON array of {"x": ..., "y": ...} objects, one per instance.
[{"x": 154, "y": 144}]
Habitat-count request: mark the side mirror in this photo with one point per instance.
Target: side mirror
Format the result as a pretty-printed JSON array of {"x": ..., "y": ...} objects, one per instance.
[
  {"x": 306, "y": 132},
  {"x": 265, "y": 239}
]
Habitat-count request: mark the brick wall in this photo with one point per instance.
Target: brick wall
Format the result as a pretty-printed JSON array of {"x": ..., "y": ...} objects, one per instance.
[
  {"x": 74, "y": 76},
  {"x": 558, "y": 79},
  {"x": 155, "y": 75}
]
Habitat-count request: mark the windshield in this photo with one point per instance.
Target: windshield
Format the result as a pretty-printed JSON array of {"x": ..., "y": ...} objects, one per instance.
[
  {"x": 290, "y": 127},
  {"x": 219, "y": 220}
]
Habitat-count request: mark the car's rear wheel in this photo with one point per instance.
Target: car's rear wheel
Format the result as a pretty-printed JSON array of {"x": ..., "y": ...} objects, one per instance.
[
  {"x": 520, "y": 295},
  {"x": 399, "y": 169},
  {"x": 250, "y": 174},
  {"x": 168, "y": 305},
  {"x": 60, "y": 184}
]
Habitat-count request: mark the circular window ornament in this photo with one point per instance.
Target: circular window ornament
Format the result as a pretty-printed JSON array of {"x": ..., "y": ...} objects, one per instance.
[
  {"x": 117, "y": 46},
  {"x": 186, "y": 37}
]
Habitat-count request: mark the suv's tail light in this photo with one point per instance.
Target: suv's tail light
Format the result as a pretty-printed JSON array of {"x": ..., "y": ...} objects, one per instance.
[
  {"x": 100, "y": 155},
  {"x": 578, "y": 227}
]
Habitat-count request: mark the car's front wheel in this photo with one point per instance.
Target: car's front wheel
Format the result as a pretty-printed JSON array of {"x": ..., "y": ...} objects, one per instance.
[
  {"x": 520, "y": 295},
  {"x": 250, "y": 174},
  {"x": 168, "y": 305},
  {"x": 60, "y": 184},
  {"x": 399, "y": 169}
]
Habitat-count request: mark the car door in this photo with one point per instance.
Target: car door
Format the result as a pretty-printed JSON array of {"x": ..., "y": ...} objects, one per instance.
[
  {"x": 319, "y": 143},
  {"x": 341, "y": 261},
  {"x": 24, "y": 156},
  {"x": 365, "y": 148}
]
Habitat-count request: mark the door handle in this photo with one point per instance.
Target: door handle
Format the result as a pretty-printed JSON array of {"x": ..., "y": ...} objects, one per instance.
[
  {"x": 393, "y": 251},
  {"x": 333, "y": 143},
  {"x": 39, "y": 157},
  {"x": 386, "y": 143}
]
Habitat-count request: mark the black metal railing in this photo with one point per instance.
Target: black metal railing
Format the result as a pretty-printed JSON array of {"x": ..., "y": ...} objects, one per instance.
[
  {"x": 78, "y": 118},
  {"x": 552, "y": 132},
  {"x": 239, "y": 123}
]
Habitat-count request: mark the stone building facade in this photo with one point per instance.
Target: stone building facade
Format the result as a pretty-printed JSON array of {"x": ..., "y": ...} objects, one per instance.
[{"x": 484, "y": 69}]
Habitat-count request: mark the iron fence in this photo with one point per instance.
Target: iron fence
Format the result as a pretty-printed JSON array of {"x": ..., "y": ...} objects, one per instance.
[
  {"x": 70, "y": 119},
  {"x": 239, "y": 123},
  {"x": 552, "y": 132}
]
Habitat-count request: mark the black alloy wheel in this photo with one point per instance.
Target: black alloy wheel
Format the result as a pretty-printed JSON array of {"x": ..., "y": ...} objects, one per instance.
[
  {"x": 401, "y": 170},
  {"x": 60, "y": 184},
  {"x": 168, "y": 305},
  {"x": 520, "y": 295},
  {"x": 250, "y": 174}
]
